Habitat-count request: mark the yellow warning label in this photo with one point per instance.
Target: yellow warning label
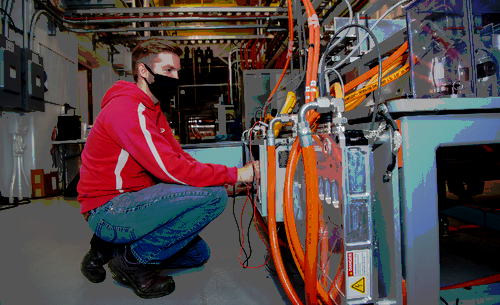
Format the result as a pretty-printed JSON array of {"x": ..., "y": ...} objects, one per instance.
[{"x": 359, "y": 285}]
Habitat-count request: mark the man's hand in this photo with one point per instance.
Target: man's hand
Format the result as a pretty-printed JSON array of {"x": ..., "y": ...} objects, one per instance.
[{"x": 246, "y": 173}]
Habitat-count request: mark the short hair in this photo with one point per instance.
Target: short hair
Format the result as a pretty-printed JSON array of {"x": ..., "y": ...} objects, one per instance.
[{"x": 145, "y": 49}]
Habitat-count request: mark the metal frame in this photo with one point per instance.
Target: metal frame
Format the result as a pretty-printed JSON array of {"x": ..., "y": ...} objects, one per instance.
[
  {"x": 182, "y": 10},
  {"x": 419, "y": 177}
]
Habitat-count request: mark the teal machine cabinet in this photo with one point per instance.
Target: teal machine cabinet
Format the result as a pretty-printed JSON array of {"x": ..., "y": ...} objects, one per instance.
[{"x": 229, "y": 154}]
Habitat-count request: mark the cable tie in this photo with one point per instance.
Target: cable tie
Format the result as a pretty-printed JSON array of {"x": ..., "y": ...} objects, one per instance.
[
  {"x": 313, "y": 20},
  {"x": 290, "y": 49},
  {"x": 313, "y": 83}
]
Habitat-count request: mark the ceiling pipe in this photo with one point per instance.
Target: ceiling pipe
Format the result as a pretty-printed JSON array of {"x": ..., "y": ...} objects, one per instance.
[
  {"x": 185, "y": 10},
  {"x": 115, "y": 19},
  {"x": 170, "y": 28},
  {"x": 208, "y": 38}
]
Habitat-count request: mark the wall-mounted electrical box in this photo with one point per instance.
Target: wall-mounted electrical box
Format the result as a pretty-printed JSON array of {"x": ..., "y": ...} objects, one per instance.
[
  {"x": 10, "y": 74},
  {"x": 33, "y": 81}
]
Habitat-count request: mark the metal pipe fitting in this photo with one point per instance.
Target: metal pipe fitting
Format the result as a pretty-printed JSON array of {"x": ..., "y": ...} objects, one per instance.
[
  {"x": 271, "y": 139},
  {"x": 305, "y": 134},
  {"x": 304, "y": 109}
]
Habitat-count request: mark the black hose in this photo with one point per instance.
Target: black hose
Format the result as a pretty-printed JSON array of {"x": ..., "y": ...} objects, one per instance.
[
  {"x": 390, "y": 120},
  {"x": 394, "y": 126}
]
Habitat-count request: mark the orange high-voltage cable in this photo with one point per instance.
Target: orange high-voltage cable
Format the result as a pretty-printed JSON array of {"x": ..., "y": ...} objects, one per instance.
[
  {"x": 285, "y": 281},
  {"x": 374, "y": 70},
  {"x": 273, "y": 232}
]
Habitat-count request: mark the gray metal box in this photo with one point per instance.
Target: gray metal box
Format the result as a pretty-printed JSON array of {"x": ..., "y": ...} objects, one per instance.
[
  {"x": 10, "y": 74},
  {"x": 34, "y": 78}
]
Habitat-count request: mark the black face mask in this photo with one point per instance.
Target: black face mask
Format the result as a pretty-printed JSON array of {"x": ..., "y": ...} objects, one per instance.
[{"x": 163, "y": 87}]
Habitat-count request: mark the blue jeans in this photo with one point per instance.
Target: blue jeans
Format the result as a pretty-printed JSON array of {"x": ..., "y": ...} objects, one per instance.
[{"x": 160, "y": 221}]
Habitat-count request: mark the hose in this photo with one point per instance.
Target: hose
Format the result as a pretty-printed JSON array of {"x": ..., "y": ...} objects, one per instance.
[
  {"x": 289, "y": 218},
  {"x": 312, "y": 222},
  {"x": 271, "y": 197},
  {"x": 273, "y": 233}
]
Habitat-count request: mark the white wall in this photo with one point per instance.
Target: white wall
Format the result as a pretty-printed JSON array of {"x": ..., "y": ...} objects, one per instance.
[
  {"x": 102, "y": 79},
  {"x": 60, "y": 54}
]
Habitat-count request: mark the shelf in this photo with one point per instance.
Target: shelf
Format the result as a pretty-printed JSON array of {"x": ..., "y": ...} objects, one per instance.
[{"x": 229, "y": 121}]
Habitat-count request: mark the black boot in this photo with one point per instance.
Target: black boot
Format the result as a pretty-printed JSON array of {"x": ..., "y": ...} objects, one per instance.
[
  {"x": 100, "y": 253},
  {"x": 144, "y": 281}
]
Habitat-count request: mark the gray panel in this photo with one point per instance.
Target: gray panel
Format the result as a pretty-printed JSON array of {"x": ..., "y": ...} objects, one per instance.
[
  {"x": 420, "y": 191},
  {"x": 10, "y": 74}
]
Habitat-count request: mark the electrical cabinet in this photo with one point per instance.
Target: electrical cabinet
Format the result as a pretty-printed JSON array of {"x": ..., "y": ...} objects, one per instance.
[
  {"x": 33, "y": 81},
  {"x": 10, "y": 74}
]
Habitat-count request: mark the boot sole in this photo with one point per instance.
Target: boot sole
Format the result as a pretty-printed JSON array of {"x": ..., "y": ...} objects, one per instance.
[
  {"x": 95, "y": 281},
  {"x": 124, "y": 280},
  {"x": 86, "y": 272}
]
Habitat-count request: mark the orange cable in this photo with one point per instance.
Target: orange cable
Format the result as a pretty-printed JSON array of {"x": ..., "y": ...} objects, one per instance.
[
  {"x": 374, "y": 70},
  {"x": 273, "y": 233}
]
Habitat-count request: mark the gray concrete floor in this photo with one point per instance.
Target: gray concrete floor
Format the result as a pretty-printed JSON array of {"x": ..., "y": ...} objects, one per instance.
[{"x": 43, "y": 243}]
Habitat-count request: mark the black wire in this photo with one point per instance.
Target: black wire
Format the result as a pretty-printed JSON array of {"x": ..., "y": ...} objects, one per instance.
[
  {"x": 323, "y": 65},
  {"x": 444, "y": 301},
  {"x": 11, "y": 21},
  {"x": 249, "y": 225},
  {"x": 237, "y": 224},
  {"x": 456, "y": 302}
]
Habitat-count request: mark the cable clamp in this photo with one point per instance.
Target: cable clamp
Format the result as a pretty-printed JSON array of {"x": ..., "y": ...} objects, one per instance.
[
  {"x": 313, "y": 20},
  {"x": 290, "y": 49},
  {"x": 313, "y": 83},
  {"x": 398, "y": 141}
]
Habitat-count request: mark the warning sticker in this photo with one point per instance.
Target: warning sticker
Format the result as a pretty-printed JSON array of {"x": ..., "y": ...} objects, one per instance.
[
  {"x": 357, "y": 262},
  {"x": 358, "y": 273},
  {"x": 359, "y": 285}
]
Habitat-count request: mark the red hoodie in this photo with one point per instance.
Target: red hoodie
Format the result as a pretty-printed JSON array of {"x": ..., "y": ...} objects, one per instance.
[{"x": 131, "y": 141}]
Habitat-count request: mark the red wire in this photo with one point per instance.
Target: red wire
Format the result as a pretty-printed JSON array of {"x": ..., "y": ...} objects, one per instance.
[
  {"x": 246, "y": 54},
  {"x": 254, "y": 54},
  {"x": 259, "y": 64}
]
